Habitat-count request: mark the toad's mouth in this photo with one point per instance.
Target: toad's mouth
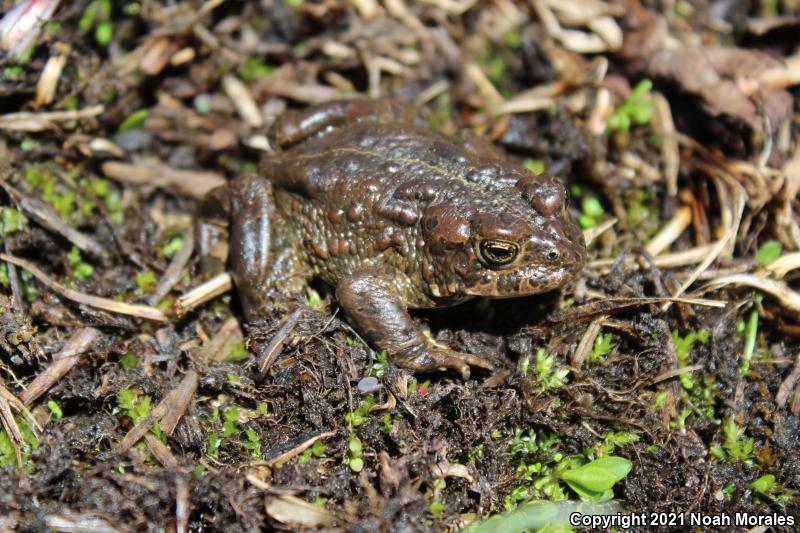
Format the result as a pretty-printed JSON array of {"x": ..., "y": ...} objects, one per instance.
[{"x": 534, "y": 279}]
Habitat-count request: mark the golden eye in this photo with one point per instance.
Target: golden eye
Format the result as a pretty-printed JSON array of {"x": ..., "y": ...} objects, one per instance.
[{"x": 498, "y": 253}]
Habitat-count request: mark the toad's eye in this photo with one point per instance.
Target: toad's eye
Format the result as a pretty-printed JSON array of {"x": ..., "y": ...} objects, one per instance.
[{"x": 498, "y": 253}]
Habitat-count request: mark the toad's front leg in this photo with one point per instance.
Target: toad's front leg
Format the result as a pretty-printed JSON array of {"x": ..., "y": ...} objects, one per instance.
[{"x": 375, "y": 304}]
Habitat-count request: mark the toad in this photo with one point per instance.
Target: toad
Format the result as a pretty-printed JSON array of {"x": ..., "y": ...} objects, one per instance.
[{"x": 394, "y": 216}]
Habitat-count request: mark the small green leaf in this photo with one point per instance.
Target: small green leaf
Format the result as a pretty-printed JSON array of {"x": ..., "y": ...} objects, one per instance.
[
  {"x": 596, "y": 478},
  {"x": 172, "y": 246},
  {"x": 436, "y": 509},
  {"x": 763, "y": 484},
  {"x": 104, "y": 33},
  {"x": 134, "y": 121},
  {"x": 55, "y": 410},
  {"x": 769, "y": 252}
]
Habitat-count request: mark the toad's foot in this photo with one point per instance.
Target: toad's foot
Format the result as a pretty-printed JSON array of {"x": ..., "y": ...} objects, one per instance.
[
  {"x": 436, "y": 357},
  {"x": 373, "y": 299}
]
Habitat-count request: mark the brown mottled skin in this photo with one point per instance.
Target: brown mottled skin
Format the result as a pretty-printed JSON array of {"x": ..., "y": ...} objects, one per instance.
[{"x": 394, "y": 216}]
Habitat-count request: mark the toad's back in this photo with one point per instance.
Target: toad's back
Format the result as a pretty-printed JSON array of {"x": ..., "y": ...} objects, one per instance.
[{"x": 356, "y": 195}]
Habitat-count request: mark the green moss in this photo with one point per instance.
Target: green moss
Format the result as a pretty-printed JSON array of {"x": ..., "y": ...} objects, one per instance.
[
  {"x": 13, "y": 220},
  {"x": 254, "y": 69},
  {"x": 146, "y": 281},
  {"x": 238, "y": 352}
]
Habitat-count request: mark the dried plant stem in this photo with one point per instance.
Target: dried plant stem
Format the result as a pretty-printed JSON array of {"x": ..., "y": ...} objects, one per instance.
[{"x": 140, "y": 311}]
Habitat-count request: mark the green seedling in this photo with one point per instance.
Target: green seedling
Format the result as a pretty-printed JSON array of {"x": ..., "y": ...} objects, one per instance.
[
  {"x": 230, "y": 422},
  {"x": 146, "y": 282},
  {"x": 436, "y": 507},
  {"x": 30, "y": 442},
  {"x": 592, "y": 212},
  {"x": 134, "y": 121},
  {"x": 80, "y": 269},
  {"x": 171, "y": 247},
  {"x": 379, "y": 368},
  {"x": 683, "y": 351},
  {"x": 252, "y": 443},
  {"x": 615, "y": 440},
  {"x": 213, "y": 442},
  {"x": 387, "y": 424},
  {"x": 137, "y": 407},
  {"x": 361, "y": 414},
  {"x": 475, "y": 453},
  {"x": 593, "y": 481},
  {"x": 55, "y": 410},
  {"x": 536, "y": 166},
  {"x": 254, "y": 69},
  {"x": 313, "y": 298},
  {"x": 355, "y": 454},
  {"x": 636, "y": 109},
  {"x": 312, "y": 452}
]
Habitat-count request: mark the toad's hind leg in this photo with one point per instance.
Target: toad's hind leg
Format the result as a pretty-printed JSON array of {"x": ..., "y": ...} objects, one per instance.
[{"x": 239, "y": 213}]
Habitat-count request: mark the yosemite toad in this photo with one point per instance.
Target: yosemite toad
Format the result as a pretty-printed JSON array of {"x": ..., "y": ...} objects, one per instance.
[{"x": 394, "y": 216}]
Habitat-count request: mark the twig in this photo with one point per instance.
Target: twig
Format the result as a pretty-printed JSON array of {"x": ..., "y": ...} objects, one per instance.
[
  {"x": 675, "y": 372},
  {"x": 182, "y": 504},
  {"x": 25, "y": 121},
  {"x": 177, "y": 400},
  {"x": 276, "y": 344},
  {"x": 47, "y": 217},
  {"x": 788, "y": 385},
  {"x": 63, "y": 361},
  {"x": 242, "y": 100},
  {"x": 586, "y": 343},
  {"x": 86, "y": 523},
  {"x": 141, "y": 311},
  {"x": 10, "y": 425},
  {"x": 175, "y": 268},
  {"x": 589, "y": 235},
  {"x": 188, "y": 182},
  {"x": 216, "y": 286},
  {"x": 297, "y": 450},
  {"x": 16, "y": 288},
  {"x": 780, "y": 290},
  {"x": 670, "y": 232},
  {"x": 733, "y": 229},
  {"x": 161, "y": 452}
]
